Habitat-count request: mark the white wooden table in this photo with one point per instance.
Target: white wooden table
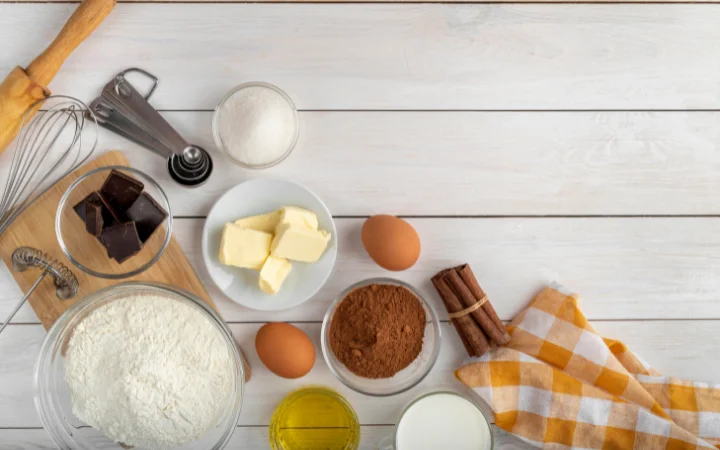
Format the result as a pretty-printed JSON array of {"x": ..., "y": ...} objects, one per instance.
[{"x": 575, "y": 142}]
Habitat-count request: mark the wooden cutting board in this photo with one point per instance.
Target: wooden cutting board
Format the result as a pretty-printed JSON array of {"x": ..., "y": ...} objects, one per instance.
[{"x": 36, "y": 228}]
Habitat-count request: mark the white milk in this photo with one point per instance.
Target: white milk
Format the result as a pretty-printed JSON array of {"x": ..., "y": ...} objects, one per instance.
[{"x": 443, "y": 421}]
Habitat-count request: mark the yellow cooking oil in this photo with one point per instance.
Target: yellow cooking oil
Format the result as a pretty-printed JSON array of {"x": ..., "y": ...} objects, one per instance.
[{"x": 314, "y": 418}]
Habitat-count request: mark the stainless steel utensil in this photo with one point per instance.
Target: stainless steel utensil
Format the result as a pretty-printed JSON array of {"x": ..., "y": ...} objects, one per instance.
[
  {"x": 125, "y": 111},
  {"x": 51, "y": 144},
  {"x": 66, "y": 284}
]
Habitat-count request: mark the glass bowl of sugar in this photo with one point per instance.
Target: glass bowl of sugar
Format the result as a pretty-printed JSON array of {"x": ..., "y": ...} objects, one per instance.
[{"x": 256, "y": 125}]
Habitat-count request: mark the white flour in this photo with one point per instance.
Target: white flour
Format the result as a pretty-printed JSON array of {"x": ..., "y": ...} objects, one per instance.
[
  {"x": 149, "y": 372},
  {"x": 256, "y": 125}
]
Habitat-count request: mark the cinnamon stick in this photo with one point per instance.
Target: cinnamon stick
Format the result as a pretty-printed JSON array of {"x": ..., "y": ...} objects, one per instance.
[
  {"x": 497, "y": 334},
  {"x": 443, "y": 287},
  {"x": 468, "y": 347},
  {"x": 470, "y": 332},
  {"x": 471, "y": 282},
  {"x": 463, "y": 339}
]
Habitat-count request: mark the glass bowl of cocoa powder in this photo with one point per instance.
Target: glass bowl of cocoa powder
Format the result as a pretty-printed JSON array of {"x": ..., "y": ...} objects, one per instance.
[{"x": 380, "y": 337}]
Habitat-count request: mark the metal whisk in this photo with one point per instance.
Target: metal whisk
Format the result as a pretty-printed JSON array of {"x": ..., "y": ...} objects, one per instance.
[
  {"x": 50, "y": 145},
  {"x": 66, "y": 284}
]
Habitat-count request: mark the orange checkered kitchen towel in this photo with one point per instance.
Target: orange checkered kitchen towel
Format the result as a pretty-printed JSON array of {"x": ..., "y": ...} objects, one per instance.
[{"x": 559, "y": 385}]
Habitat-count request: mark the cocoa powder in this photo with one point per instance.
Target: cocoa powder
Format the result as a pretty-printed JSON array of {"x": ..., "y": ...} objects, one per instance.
[{"x": 378, "y": 330}]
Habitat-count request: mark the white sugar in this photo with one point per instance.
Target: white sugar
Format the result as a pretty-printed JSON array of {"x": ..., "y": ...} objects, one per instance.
[{"x": 256, "y": 125}]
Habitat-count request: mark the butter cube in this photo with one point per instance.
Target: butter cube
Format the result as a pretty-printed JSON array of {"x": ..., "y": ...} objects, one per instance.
[
  {"x": 292, "y": 215},
  {"x": 273, "y": 274},
  {"x": 298, "y": 243},
  {"x": 262, "y": 222},
  {"x": 243, "y": 247}
]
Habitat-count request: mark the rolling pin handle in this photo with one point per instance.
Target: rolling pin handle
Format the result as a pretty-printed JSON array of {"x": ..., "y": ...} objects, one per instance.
[{"x": 81, "y": 24}]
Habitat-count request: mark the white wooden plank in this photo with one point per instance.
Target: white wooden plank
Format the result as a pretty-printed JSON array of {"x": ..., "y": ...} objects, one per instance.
[
  {"x": 255, "y": 438},
  {"x": 678, "y": 348},
  {"x": 388, "y": 1},
  {"x": 419, "y": 56},
  {"x": 422, "y": 163},
  {"x": 624, "y": 267}
]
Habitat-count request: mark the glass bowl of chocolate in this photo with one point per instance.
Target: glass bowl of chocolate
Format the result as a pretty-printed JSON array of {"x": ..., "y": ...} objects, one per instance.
[
  {"x": 114, "y": 222},
  {"x": 381, "y": 337}
]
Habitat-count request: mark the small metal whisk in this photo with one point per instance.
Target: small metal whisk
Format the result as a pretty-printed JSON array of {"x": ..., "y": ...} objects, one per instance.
[
  {"x": 49, "y": 146},
  {"x": 66, "y": 284}
]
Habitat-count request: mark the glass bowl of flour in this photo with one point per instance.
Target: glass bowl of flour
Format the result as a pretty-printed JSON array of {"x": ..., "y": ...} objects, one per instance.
[
  {"x": 256, "y": 125},
  {"x": 139, "y": 365}
]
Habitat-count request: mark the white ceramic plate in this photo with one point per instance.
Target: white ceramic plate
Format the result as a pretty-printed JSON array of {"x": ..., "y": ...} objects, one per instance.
[{"x": 257, "y": 197}]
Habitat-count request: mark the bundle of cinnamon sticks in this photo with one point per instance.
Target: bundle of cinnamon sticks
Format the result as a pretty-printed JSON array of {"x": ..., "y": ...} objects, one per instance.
[{"x": 469, "y": 310}]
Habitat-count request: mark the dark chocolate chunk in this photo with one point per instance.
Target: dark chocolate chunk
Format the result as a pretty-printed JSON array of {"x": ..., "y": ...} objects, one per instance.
[
  {"x": 147, "y": 215},
  {"x": 80, "y": 207},
  {"x": 108, "y": 215},
  {"x": 121, "y": 240},
  {"x": 120, "y": 191},
  {"x": 93, "y": 218}
]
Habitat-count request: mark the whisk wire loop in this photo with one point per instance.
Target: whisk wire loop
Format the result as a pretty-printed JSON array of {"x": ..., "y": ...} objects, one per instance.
[
  {"x": 49, "y": 146},
  {"x": 65, "y": 281},
  {"x": 66, "y": 284}
]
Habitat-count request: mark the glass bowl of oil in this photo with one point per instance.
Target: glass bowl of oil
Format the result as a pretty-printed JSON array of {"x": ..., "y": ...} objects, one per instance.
[{"x": 312, "y": 418}]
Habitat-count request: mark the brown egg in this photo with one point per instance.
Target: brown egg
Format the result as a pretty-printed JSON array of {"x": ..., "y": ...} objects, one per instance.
[
  {"x": 391, "y": 242},
  {"x": 285, "y": 350}
]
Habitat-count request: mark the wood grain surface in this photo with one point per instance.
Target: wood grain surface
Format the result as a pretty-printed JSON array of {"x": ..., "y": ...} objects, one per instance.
[
  {"x": 244, "y": 437},
  {"x": 34, "y": 229},
  {"x": 624, "y": 268},
  {"x": 476, "y": 163},
  {"x": 569, "y": 142},
  {"x": 677, "y": 348},
  {"x": 394, "y": 57},
  {"x": 83, "y": 21},
  {"x": 386, "y": 1}
]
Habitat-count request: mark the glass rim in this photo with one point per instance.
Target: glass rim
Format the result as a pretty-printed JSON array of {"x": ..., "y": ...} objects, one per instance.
[
  {"x": 324, "y": 333},
  {"x": 441, "y": 392},
  {"x": 325, "y": 390},
  {"x": 216, "y": 132},
  {"x": 113, "y": 276}
]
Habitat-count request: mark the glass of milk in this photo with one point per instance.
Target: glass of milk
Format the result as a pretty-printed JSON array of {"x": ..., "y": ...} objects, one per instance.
[{"x": 441, "y": 420}]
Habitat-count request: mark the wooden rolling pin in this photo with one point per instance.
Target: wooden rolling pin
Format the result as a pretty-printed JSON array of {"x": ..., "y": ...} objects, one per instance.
[{"x": 22, "y": 88}]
